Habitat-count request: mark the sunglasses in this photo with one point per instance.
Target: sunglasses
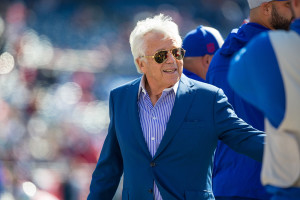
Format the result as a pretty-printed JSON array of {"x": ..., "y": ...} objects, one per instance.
[{"x": 162, "y": 55}]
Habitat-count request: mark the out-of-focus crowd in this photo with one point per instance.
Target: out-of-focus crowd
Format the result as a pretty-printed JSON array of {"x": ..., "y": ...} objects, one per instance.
[{"x": 59, "y": 59}]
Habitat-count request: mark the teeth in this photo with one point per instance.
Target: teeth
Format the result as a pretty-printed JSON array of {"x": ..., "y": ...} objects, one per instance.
[{"x": 170, "y": 70}]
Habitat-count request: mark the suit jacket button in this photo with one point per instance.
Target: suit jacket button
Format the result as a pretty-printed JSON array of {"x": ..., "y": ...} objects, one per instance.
[
  {"x": 152, "y": 164},
  {"x": 150, "y": 191}
]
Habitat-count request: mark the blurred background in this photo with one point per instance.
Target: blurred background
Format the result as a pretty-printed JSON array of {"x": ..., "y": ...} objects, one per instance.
[{"x": 58, "y": 61}]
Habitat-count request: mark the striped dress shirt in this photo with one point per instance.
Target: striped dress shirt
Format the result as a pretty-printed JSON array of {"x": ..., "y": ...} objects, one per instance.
[{"x": 154, "y": 119}]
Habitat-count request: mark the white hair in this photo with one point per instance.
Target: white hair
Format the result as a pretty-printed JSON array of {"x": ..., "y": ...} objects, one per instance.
[{"x": 158, "y": 24}]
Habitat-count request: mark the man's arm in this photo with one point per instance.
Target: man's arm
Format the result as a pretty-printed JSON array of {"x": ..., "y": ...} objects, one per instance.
[
  {"x": 255, "y": 75},
  {"x": 109, "y": 169},
  {"x": 234, "y": 132}
]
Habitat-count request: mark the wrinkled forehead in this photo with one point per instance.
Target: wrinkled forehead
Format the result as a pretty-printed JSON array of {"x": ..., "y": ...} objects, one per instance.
[{"x": 160, "y": 38}]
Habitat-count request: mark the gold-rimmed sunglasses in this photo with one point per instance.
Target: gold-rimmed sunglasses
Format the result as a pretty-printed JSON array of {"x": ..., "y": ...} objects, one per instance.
[{"x": 162, "y": 55}]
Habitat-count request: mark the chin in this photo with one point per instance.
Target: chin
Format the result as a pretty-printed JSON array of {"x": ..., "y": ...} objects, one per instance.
[{"x": 173, "y": 82}]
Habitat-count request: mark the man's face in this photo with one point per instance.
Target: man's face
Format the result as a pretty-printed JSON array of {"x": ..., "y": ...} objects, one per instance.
[
  {"x": 166, "y": 74},
  {"x": 281, "y": 16}
]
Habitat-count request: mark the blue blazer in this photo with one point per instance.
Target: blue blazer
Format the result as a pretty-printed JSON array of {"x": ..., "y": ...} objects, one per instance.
[{"x": 182, "y": 165}]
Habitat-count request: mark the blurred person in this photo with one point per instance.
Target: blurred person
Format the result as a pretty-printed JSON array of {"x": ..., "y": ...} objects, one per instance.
[
  {"x": 200, "y": 45},
  {"x": 164, "y": 127},
  {"x": 243, "y": 172},
  {"x": 70, "y": 188},
  {"x": 277, "y": 95}
]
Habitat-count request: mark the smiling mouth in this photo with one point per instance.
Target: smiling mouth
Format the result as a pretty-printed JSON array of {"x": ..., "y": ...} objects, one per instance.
[{"x": 170, "y": 70}]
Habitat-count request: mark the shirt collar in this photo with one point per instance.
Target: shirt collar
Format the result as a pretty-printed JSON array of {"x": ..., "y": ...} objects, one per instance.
[{"x": 142, "y": 87}]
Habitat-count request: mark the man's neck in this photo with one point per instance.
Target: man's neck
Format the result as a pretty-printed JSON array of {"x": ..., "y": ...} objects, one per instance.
[
  {"x": 197, "y": 71},
  {"x": 153, "y": 92}
]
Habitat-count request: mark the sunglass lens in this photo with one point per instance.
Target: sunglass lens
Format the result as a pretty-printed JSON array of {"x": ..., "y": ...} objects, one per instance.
[
  {"x": 161, "y": 56},
  {"x": 178, "y": 53}
]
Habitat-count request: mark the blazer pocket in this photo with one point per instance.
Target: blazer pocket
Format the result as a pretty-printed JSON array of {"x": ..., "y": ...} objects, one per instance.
[
  {"x": 193, "y": 124},
  {"x": 199, "y": 195},
  {"x": 125, "y": 194}
]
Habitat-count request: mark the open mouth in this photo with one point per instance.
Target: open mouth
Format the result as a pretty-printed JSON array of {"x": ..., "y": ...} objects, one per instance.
[{"x": 170, "y": 70}]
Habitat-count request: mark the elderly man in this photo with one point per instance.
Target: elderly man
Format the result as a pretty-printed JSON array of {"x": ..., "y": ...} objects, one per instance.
[
  {"x": 164, "y": 127},
  {"x": 267, "y": 74},
  {"x": 244, "y": 173},
  {"x": 200, "y": 45}
]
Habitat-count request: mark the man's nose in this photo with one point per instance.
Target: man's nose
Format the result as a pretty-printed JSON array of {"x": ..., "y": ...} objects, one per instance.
[{"x": 170, "y": 58}]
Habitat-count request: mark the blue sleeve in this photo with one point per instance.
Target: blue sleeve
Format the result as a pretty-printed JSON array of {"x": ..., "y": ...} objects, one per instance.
[
  {"x": 255, "y": 75},
  {"x": 233, "y": 131},
  {"x": 109, "y": 169}
]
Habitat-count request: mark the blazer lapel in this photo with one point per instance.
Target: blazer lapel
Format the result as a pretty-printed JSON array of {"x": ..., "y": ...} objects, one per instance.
[
  {"x": 134, "y": 117},
  {"x": 184, "y": 97}
]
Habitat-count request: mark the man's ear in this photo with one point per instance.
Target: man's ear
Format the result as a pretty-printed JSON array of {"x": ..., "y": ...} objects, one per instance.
[
  {"x": 206, "y": 60},
  {"x": 267, "y": 8},
  {"x": 140, "y": 64}
]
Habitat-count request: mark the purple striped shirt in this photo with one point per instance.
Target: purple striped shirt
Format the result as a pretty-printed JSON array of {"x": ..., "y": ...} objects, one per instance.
[{"x": 154, "y": 119}]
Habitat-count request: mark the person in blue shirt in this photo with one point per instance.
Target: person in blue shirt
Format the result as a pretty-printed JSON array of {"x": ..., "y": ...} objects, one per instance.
[
  {"x": 200, "y": 45},
  {"x": 266, "y": 73},
  {"x": 243, "y": 173},
  {"x": 164, "y": 127}
]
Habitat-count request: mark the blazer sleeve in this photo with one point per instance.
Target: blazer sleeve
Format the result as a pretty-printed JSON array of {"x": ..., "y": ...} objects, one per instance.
[
  {"x": 109, "y": 169},
  {"x": 233, "y": 131}
]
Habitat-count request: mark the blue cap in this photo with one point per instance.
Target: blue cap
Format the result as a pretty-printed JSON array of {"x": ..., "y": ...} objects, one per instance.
[{"x": 201, "y": 41}]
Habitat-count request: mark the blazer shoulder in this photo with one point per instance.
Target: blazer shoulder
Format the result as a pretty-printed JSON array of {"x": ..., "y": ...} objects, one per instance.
[
  {"x": 125, "y": 86},
  {"x": 205, "y": 87}
]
